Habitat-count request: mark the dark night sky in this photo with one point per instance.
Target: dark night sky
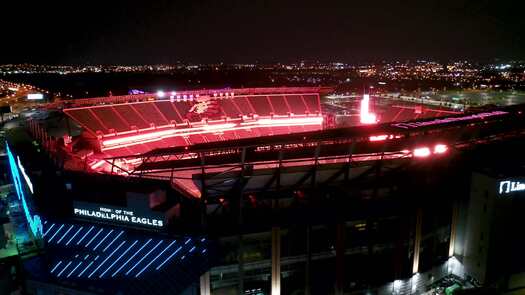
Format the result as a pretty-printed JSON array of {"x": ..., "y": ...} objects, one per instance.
[{"x": 136, "y": 32}]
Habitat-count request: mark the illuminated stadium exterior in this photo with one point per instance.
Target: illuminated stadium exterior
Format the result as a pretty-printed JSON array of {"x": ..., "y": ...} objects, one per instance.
[
  {"x": 177, "y": 176},
  {"x": 122, "y": 133}
]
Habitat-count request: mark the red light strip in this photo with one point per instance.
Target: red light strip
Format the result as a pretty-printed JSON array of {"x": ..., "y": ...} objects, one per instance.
[
  {"x": 158, "y": 135},
  {"x": 379, "y": 137},
  {"x": 383, "y": 137}
]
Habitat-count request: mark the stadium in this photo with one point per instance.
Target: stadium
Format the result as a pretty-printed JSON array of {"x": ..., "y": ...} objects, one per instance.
[
  {"x": 119, "y": 132},
  {"x": 209, "y": 190}
]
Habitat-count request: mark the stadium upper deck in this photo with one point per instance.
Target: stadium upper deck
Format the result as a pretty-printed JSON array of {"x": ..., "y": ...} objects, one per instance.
[
  {"x": 131, "y": 125},
  {"x": 175, "y": 119}
]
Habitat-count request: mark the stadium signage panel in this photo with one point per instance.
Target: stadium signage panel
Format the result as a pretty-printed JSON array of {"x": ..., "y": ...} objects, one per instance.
[
  {"x": 119, "y": 215},
  {"x": 410, "y": 125},
  {"x": 510, "y": 186}
]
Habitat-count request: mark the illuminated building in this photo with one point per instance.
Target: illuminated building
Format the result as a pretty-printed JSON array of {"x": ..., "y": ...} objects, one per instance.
[
  {"x": 488, "y": 239},
  {"x": 247, "y": 190}
]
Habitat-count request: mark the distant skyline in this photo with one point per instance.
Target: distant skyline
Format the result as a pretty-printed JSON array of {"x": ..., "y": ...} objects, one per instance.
[
  {"x": 306, "y": 63},
  {"x": 240, "y": 31}
]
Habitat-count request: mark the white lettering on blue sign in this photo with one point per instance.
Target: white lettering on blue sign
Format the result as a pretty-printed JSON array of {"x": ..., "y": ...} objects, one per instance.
[{"x": 117, "y": 215}]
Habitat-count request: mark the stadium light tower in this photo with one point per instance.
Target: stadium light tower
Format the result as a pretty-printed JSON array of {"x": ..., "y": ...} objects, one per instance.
[
  {"x": 366, "y": 116},
  {"x": 160, "y": 94}
]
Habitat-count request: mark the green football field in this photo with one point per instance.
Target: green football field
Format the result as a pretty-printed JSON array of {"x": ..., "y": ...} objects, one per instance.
[{"x": 481, "y": 97}]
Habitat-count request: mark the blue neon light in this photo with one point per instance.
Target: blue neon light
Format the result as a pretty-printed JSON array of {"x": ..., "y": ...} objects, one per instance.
[
  {"x": 59, "y": 229},
  {"x": 144, "y": 257},
  {"x": 47, "y": 231},
  {"x": 91, "y": 263},
  {"x": 124, "y": 253},
  {"x": 71, "y": 272},
  {"x": 71, "y": 239},
  {"x": 94, "y": 236},
  {"x": 107, "y": 258},
  {"x": 64, "y": 235},
  {"x": 169, "y": 257},
  {"x": 68, "y": 264},
  {"x": 82, "y": 272},
  {"x": 123, "y": 257},
  {"x": 24, "y": 174},
  {"x": 133, "y": 256},
  {"x": 54, "y": 268},
  {"x": 113, "y": 241},
  {"x": 153, "y": 260},
  {"x": 102, "y": 240},
  {"x": 84, "y": 236},
  {"x": 34, "y": 221}
]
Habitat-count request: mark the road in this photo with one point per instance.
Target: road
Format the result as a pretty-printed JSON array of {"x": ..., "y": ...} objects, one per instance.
[{"x": 17, "y": 96}]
